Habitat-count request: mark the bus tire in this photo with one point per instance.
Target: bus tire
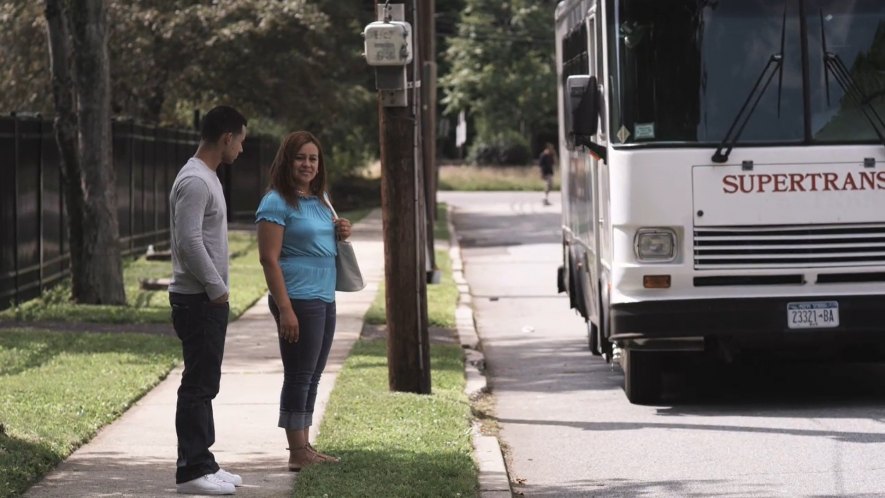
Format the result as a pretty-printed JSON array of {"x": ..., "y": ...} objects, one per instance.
[
  {"x": 578, "y": 290},
  {"x": 573, "y": 292},
  {"x": 593, "y": 338},
  {"x": 642, "y": 376},
  {"x": 560, "y": 280},
  {"x": 605, "y": 346}
]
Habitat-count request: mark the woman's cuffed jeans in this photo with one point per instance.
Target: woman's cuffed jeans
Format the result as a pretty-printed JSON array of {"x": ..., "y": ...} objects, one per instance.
[
  {"x": 305, "y": 360},
  {"x": 201, "y": 326}
]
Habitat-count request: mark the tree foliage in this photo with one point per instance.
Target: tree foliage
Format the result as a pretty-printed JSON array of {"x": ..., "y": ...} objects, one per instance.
[
  {"x": 24, "y": 60},
  {"x": 502, "y": 69},
  {"x": 287, "y": 64}
]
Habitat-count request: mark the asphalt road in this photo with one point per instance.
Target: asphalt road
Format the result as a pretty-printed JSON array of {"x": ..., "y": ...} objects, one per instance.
[{"x": 773, "y": 427}]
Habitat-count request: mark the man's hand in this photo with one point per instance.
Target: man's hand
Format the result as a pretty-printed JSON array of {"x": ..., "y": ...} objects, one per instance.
[{"x": 221, "y": 299}]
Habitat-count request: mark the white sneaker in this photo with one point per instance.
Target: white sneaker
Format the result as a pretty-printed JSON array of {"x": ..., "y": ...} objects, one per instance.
[
  {"x": 208, "y": 484},
  {"x": 229, "y": 478}
]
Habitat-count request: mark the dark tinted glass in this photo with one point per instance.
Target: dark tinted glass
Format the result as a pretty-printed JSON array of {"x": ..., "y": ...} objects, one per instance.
[
  {"x": 682, "y": 69},
  {"x": 853, "y": 31}
]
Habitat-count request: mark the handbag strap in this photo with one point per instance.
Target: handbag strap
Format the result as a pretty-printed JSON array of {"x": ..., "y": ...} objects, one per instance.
[{"x": 329, "y": 203}]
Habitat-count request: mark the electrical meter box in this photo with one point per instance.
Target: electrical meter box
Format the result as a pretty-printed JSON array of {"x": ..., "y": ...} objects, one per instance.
[{"x": 388, "y": 43}]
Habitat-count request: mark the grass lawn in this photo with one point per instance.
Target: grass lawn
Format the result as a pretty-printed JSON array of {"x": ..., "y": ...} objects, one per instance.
[
  {"x": 146, "y": 307},
  {"x": 399, "y": 444},
  {"x": 246, "y": 279},
  {"x": 441, "y": 297},
  {"x": 473, "y": 178},
  {"x": 395, "y": 444},
  {"x": 58, "y": 388}
]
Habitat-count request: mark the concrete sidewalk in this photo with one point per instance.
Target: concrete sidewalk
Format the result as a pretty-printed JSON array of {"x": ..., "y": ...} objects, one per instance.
[{"x": 135, "y": 456}]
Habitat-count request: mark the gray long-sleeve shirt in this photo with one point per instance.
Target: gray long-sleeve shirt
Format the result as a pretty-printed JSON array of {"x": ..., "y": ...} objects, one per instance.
[{"x": 199, "y": 232}]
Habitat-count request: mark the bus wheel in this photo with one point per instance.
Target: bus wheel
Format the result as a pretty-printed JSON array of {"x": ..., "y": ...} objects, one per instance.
[
  {"x": 606, "y": 347},
  {"x": 573, "y": 289},
  {"x": 593, "y": 338},
  {"x": 642, "y": 376},
  {"x": 560, "y": 280}
]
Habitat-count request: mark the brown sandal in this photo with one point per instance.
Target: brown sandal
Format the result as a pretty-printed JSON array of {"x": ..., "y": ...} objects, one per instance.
[
  {"x": 312, "y": 458},
  {"x": 324, "y": 457}
]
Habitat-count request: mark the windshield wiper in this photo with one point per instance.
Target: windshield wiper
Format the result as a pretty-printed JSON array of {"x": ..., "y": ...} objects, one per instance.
[
  {"x": 774, "y": 66},
  {"x": 833, "y": 65}
]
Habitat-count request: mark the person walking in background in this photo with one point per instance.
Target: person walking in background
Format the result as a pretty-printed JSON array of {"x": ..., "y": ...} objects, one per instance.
[
  {"x": 199, "y": 297},
  {"x": 546, "y": 162},
  {"x": 296, "y": 243}
]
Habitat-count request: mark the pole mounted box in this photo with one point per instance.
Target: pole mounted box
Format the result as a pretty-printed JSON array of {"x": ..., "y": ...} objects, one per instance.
[
  {"x": 388, "y": 43},
  {"x": 388, "y": 49}
]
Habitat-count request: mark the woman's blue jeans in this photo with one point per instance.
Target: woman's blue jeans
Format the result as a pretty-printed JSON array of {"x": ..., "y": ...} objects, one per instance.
[{"x": 305, "y": 360}]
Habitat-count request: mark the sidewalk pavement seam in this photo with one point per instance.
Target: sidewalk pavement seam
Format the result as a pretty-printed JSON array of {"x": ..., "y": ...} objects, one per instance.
[{"x": 494, "y": 481}]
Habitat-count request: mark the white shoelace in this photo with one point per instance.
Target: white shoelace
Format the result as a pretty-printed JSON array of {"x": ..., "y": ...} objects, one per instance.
[
  {"x": 229, "y": 477},
  {"x": 215, "y": 479}
]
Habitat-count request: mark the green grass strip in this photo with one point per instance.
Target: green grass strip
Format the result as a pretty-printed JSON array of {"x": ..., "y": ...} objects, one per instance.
[
  {"x": 57, "y": 389},
  {"x": 399, "y": 444},
  {"x": 491, "y": 178},
  {"x": 395, "y": 444},
  {"x": 144, "y": 306},
  {"x": 150, "y": 307},
  {"x": 441, "y": 297}
]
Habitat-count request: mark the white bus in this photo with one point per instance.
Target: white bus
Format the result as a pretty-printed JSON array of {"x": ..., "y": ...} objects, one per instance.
[{"x": 723, "y": 172}]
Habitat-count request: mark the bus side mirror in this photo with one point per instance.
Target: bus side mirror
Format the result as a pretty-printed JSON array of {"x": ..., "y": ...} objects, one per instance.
[
  {"x": 582, "y": 113},
  {"x": 583, "y": 103}
]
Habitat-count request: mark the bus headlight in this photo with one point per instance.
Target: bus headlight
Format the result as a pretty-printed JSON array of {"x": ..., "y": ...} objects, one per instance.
[{"x": 655, "y": 244}]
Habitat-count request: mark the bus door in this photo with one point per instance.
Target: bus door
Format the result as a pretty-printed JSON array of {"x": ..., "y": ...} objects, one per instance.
[{"x": 592, "y": 185}]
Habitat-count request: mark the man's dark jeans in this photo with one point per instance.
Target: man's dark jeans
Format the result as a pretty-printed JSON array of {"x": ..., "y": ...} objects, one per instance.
[{"x": 201, "y": 326}]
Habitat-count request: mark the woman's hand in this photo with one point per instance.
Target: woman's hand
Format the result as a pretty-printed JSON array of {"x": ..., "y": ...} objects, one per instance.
[
  {"x": 288, "y": 325},
  {"x": 342, "y": 228}
]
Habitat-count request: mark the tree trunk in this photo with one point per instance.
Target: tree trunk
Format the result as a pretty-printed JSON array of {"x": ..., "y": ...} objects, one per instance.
[
  {"x": 96, "y": 264},
  {"x": 58, "y": 33}
]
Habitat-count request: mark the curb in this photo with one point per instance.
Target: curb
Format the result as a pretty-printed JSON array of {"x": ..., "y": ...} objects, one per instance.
[{"x": 494, "y": 481}]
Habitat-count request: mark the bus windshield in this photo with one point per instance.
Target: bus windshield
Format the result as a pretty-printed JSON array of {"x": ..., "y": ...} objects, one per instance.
[{"x": 682, "y": 69}]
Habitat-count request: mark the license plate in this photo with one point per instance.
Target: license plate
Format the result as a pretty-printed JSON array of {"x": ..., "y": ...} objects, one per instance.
[{"x": 813, "y": 315}]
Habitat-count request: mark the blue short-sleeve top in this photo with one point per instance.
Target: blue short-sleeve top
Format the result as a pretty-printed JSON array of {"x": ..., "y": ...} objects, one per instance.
[{"x": 308, "y": 254}]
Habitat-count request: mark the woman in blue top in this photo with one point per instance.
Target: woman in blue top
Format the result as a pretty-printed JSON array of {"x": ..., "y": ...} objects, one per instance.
[{"x": 296, "y": 242}]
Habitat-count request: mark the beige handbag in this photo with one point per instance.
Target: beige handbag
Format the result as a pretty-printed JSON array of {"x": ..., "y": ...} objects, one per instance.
[{"x": 349, "y": 277}]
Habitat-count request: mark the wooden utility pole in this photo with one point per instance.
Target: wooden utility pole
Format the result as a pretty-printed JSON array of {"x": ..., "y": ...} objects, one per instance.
[
  {"x": 426, "y": 35},
  {"x": 403, "y": 215}
]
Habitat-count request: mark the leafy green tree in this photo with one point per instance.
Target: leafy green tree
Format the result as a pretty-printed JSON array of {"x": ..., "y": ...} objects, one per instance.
[
  {"x": 288, "y": 64},
  {"x": 24, "y": 59},
  {"x": 502, "y": 69}
]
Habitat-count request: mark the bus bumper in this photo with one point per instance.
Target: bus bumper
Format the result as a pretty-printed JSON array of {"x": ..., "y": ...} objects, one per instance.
[{"x": 752, "y": 320}]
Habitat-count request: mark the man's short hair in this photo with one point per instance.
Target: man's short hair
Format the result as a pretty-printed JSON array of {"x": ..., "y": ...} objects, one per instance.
[{"x": 220, "y": 120}]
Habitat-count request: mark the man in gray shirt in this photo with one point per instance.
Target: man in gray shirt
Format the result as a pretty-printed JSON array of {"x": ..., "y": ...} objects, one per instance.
[{"x": 199, "y": 298}]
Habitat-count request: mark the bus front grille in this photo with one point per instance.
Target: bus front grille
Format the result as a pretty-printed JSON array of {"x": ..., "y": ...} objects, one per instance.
[{"x": 794, "y": 246}]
